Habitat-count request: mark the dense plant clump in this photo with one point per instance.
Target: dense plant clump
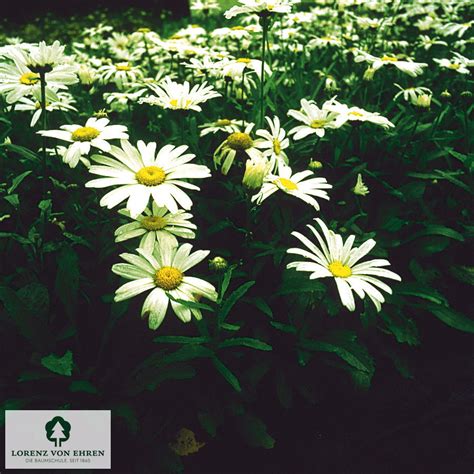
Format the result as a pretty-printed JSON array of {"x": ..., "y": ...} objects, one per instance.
[{"x": 291, "y": 180}]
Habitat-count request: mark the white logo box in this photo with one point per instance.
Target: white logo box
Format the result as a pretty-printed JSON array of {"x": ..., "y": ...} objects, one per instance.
[{"x": 57, "y": 439}]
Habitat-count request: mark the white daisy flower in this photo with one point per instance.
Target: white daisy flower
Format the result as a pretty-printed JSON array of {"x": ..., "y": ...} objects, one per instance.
[
  {"x": 46, "y": 55},
  {"x": 273, "y": 143},
  {"x": 95, "y": 133},
  {"x": 236, "y": 142},
  {"x": 175, "y": 96},
  {"x": 163, "y": 272},
  {"x": 121, "y": 74},
  {"x": 407, "y": 66},
  {"x": 356, "y": 114},
  {"x": 157, "y": 225},
  {"x": 204, "y": 6},
  {"x": 261, "y": 7},
  {"x": 234, "y": 68},
  {"x": 338, "y": 259},
  {"x": 458, "y": 29},
  {"x": 411, "y": 94},
  {"x": 18, "y": 80},
  {"x": 222, "y": 125},
  {"x": 64, "y": 102},
  {"x": 142, "y": 173},
  {"x": 426, "y": 42},
  {"x": 459, "y": 63},
  {"x": 315, "y": 120},
  {"x": 294, "y": 185}
]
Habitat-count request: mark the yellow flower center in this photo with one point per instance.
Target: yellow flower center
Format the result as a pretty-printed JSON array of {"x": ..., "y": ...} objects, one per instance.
[
  {"x": 122, "y": 67},
  {"x": 354, "y": 113},
  {"x": 239, "y": 141},
  {"x": 318, "y": 123},
  {"x": 85, "y": 134},
  {"x": 151, "y": 175},
  {"x": 286, "y": 183},
  {"x": 340, "y": 270},
  {"x": 244, "y": 60},
  {"x": 237, "y": 28},
  {"x": 454, "y": 66},
  {"x": 175, "y": 104},
  {"x": 168, "y": 278},
  {"x": 29, "y": 78},
  {"x": 393, "y": 59},
  {"x": 153, "y": 222},
  {"x": 223, "y": 122},
  {"x": 276, "y": 146},
  {"x": 270, "y": 7},
  {"x": 144, "y": 30}
]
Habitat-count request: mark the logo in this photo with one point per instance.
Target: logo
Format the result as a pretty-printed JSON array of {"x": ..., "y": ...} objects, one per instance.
[
  {"x": 57, "y": 439},
  {"x": 57, "y": 430}
]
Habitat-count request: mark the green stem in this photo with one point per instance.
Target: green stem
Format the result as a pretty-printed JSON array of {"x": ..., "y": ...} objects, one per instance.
[{"x": 264, "y": 23}]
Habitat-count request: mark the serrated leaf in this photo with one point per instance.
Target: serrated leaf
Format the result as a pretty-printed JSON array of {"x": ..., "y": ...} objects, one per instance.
[
  {"x": 59, "y": 365},
  {"x": 245, "y": 341},
  {"x": 227, "y": 374},
  {"x": 232, "y": 299},
  {"x": 181, "y": 340},
  {"x": 82, "y": 386},
  {"x": 463, "y": 273},
  {"x": 17, "y": 181},
  {"x": 346, "y": 346},
  {"x": 452, "y": 318},
  {"x": 404, "y": 329},
  {"x": 262, "y": 305},
  {"x": 254, "y": 431}
]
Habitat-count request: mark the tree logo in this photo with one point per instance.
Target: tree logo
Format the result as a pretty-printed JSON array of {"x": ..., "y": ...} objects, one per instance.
[{"x": 58, "y": 430}]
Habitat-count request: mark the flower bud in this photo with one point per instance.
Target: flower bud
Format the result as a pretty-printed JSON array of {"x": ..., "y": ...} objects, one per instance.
[
  {"x": 423, "y": 101},
  {"x": 255, "y": 172},
  {"x": 369, "y": 74},
  {"x": 314, "y": 165},
  {"x": 218, "y": 264}
]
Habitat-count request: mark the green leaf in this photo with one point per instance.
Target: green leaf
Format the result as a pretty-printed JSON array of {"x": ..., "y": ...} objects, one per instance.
[
  {"x": 17, "y": 181},
  {"x": 35, "y": 296},
  {"x": 232, "y": 299},
  {"x": 13, "y": 199},
  {"x": 283, "y": 389},
  {"x": 254, "y": 431},
  {"x": 59, "y": 365},
  {"x": 67, "y": 279},
  {"x": 463, "y": 273},
  {"x": 25, "y": 152},
  {"x": 404, "y": 329},
  {"x": 128, "y": 414},
  {"x": 226, "y": 281},
  {"x": 345, "y": 345},
  {"x": 296, "y": 282},
  {"x": 437, "y": 230},
  {"x": 181, "y": 340},
  {"x": 426, "y": 293},
  {"x": 191, "y": 304},
  {"x": 227, "y": 374},
  {"x": 452, "y": 318},
  {"x": 245, "y": 341},
  {"x": 208, "y": 422},
  {"x": 10, "y": 235},
  {"x": 262, "y": 305},
  {"x": 230, "y": 327},
  {"x": 82, "y": 386},
  {"x": 28, "y": 323}
]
